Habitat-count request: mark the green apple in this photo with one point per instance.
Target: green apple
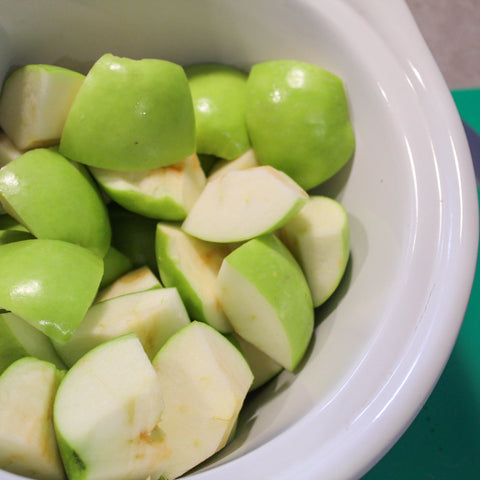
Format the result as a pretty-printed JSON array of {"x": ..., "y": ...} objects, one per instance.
[
  {"x": 266, "y": 298},
  {"x": 164, "y": 193},
  {"x": 204, "y": 380},
  {"x": 115, "y": 264},
  {"x": 27, "y": 438},
  {"x": 131, "y": 115},
  {"x": 47, "y": 194},
  {"x": 134, "y": 236},
  {"x": 12, "y": 231},
  {"x": 191, "y": 265},
  {"x": 131, "y": 282},
  {"x": 49, "y": 283},
  {"x": 106, "y": 412},
  {"x": 35, "y": 102},
  {"x": 218, "y": 93},
  {"x": 243, "y": 204},
  {"x": 319, "y": 239},
  {"x": 263, "y": 367},
  {"x": 8, "y": 151},
  {"x": 298, "y": 120},
  {"x": 222, "y": 166},
  {"x": 153, "y": 315},
  {"x": 19, "y": 339}
]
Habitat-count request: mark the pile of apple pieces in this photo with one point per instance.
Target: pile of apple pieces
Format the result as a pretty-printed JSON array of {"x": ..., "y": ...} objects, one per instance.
[{"x": 145, "y": 374}]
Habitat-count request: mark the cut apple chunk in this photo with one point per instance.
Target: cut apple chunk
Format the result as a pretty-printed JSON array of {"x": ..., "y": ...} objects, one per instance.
[
  {"x": 191, "y": 265},
  {"x": 35, "y": 102},
  {"x": 19, "y": 339},
  {"x": 134, "y": 281},
  {"x": 49, "y": 283},
  {"x": 244, "y": 204},
  {"x": 319, "y": 239},
  {"x": 165, "y": 193},
  {"x": 106, "y": 413},
  {"x": 28, "y": 445},
  {"x": 222, "y": 166},
  {"x": 153, "y": 315},
  {"x": 267, "y": 300},
  {"x": 204, "y": 380}
]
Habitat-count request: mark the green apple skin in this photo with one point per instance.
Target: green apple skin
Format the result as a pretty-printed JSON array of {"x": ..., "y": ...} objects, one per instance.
[
  {"x": 204, "y": 380},
  {"x": 267, "y": 300},
  {"x": 164, "y": 193},
  {"x": 218, "y": 93},
  {"x": 115, "y": 264},
  {"x": 46, "y": 193},
  {"x": 19, "y": 339},
  {"x": 289, "y": 100},
  {"x": 153, "y": 315},
  {"x": 319, "y": 239},
  {"x": 49, "y": 283},
  {"x": 27, "y": 438},
  {"x": 134, "y": 236},
  {"x": 192, "y": 265},
  {"x": 106, "y": 413},
  {"x": 131, "y": 115},
  {"x": 12, "y": 231},
  {"x": 35, "y": 102}
]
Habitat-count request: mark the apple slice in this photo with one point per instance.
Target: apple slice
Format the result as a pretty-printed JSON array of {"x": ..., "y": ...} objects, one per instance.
[
  {"x": 47, "y": 194},
  {"x": 218, "y": 93},
  {"x": 106, "y": 413},
  {"x": 266, "y": 298},
  {"x": 19, "y": 339},
  {"x": 131, "y": 115},
  {"x": 27, "y": 438},
  {"x": 134, "y": 281},
  {"x": 49, "y": 283},
  {"x": 153, "y": 315},
  {"x": 164, "y": 193},
  {"x": 263, "y": 367},
  {"x": 319, "y": 239},
  {"x": 222, "y": 166},
  {"x": 35, "y": 102},
  {"x": 192, "y": 265},
  {"x": 8, "y": 151},
  {"x": 244, "y": 204},
  {"x": 298, "y": 120},
  {"x": 204, "y": 380}
]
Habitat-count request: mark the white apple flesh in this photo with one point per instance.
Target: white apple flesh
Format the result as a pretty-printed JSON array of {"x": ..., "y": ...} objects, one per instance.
[
  {"x": 204, "y": 380},
  {"x": 243, "y": 204},
  {"x": 8, "y": 151},
  {"x": 222, "y": 166}
]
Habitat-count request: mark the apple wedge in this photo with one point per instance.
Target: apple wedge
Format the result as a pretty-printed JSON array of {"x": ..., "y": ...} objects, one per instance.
[
  {"x": 131, "y": 115},
  {"x": 164, "y": 193},
  {"x": 222, "y": 166},
  {"x": 115, "y": 264},
  {"x": 153, "y": 315},
  {"x": 54, "y": 200},
  {"x": 192, "y": 265},
  {"x": 106, "y": 412},
  {"x": 267, "y": 300},
  {"x": 134, "y": 281},
  {"x": 35, "y": 102},
  {"x": 28, "y": 445},
  {"x": 204, "y": 380},
  {"x": 319, "y": 239},
  {"x": 49, "y": 283},
  {"x": 244, "y": 204},
  {"x": 19, "y": 339}
]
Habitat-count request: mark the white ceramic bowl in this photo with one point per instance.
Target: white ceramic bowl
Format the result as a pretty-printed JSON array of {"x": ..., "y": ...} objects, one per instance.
[{"x": 409, "y": 191}]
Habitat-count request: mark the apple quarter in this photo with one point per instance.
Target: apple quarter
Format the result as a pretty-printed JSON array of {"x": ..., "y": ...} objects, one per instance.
[
  {"x": 35, "y": 102},
  {"x": 27, "y": 438},
  {"x": 153, "y": 315},
  {"x": 244, "y": 204},
  {"x": 191, "y": 265},
  {"x": 164, "y": 193},
  {"x": 204, "y": 380},
  {"x": 106, "y": 412},
  {"x": 319, "y": 239},
  {"x": 267, "y": 300}
]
